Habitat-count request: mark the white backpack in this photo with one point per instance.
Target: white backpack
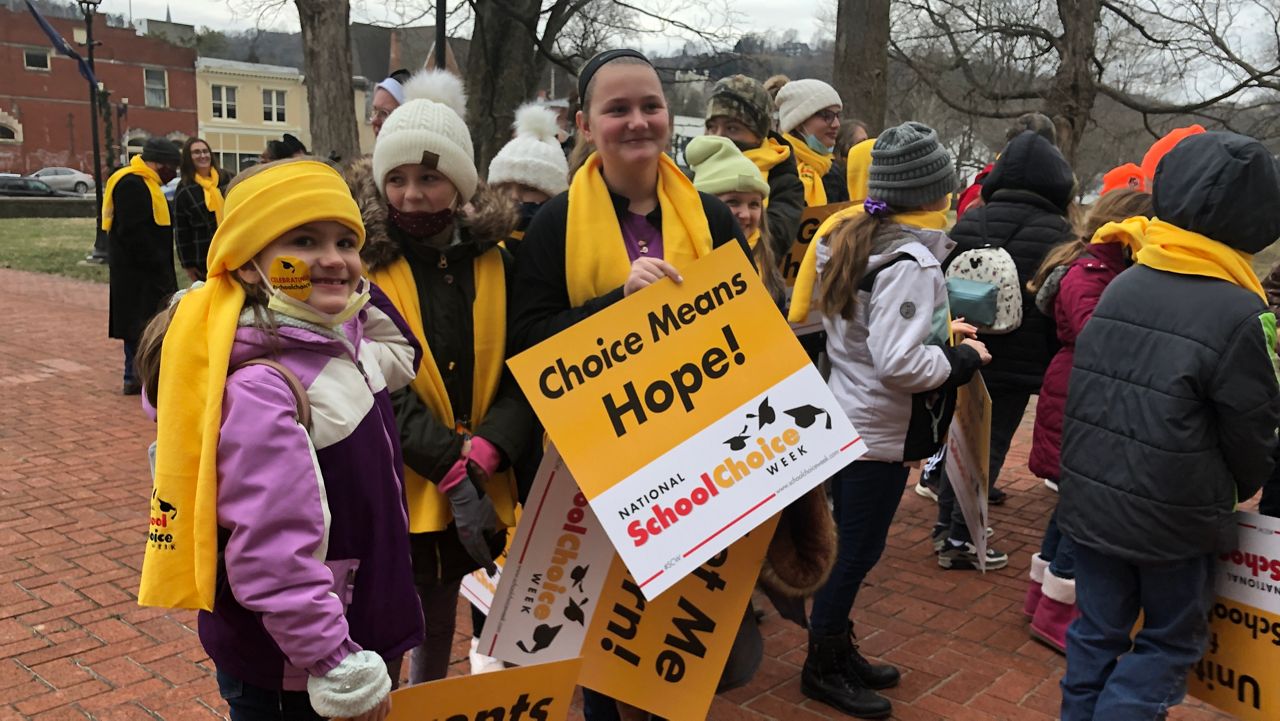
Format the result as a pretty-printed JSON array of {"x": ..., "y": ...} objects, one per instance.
[{"x": 993, "y": 266}]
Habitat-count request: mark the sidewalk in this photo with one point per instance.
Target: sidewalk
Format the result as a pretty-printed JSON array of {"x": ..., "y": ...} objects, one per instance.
[{"x": 73, "y": 502}]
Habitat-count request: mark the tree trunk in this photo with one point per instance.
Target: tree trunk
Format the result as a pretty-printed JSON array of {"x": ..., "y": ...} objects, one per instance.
[
  {"x": 862, "y": 60},
  {"x": 501, "y": 72},
  {"x": 326, "y": 52},
  {"x": 1074, "y": 88}
]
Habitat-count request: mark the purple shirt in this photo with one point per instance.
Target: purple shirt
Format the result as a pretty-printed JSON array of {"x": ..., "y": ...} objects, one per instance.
[{"x": 637, "y": 233}]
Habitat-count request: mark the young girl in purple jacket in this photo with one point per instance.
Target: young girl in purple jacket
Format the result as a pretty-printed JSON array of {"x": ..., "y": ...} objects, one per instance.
[
  {"x": 1067, "y": 287},
  {"x": 307, "y": 595}
]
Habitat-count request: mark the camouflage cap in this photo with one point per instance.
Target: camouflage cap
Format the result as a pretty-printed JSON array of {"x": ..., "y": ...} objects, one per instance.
[{"x": 743, "y": 99}]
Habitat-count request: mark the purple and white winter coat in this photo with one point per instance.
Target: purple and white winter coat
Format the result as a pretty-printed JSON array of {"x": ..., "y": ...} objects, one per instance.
[{"x": 315, "y": 527}]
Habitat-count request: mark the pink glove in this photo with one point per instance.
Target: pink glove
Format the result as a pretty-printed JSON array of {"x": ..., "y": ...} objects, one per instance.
[
  {"x": 485, "y": 454},
  {"x": 457, "y": 473}
]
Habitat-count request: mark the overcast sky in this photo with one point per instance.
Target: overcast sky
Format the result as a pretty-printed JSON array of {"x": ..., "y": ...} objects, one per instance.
[{"x": 757, "y": 15}]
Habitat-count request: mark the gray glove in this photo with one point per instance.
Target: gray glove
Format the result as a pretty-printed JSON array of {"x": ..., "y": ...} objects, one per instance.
[{"x": 474, "y": 517}]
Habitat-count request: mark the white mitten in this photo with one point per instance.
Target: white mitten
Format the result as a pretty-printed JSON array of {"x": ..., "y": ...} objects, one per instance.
[{"x": 353, "y": 687}]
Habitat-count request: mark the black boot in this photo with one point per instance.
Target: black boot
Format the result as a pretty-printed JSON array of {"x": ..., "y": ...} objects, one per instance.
[
  {"x": 872, "y": 675},
  {"x": 828, "y": 677}
]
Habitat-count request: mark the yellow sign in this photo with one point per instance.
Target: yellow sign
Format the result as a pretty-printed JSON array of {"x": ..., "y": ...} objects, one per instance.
[
  {"x": 657, "y": 367},
  {"x": 529, "y": 693},
  {"x": 810, "y": 220},
  {"x": 1240, "y": 671},
  {"x": 666, "y": 655},
  {"x": 688, "y": 414}
]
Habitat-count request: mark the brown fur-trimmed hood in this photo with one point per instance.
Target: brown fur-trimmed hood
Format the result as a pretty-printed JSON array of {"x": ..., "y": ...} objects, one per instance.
[
  {"x": 803, "y": 549},
  {"x": 487, "y": 220}
]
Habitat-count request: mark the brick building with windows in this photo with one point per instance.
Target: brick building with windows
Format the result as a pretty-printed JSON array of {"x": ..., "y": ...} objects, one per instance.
[{"x": 44, "y": 105}]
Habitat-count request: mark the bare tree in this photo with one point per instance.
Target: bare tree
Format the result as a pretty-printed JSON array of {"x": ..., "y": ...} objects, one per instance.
[
  {"x": 862, "y": 59},
  {"x": 326, "y": 53},
  {"x": 1213, "y": 59},
  {"x": 514, "y": 41}
]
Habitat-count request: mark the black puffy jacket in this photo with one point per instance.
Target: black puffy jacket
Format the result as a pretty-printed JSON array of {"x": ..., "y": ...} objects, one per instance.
[
  {"x": 1174, "y": 403},
  {"x": 1026, "y": 198}
]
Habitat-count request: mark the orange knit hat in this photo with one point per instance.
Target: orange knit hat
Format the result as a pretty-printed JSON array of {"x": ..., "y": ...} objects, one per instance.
[
  {"x": 1128, "y": 175},
  {"x": 1162, "y": 146}
]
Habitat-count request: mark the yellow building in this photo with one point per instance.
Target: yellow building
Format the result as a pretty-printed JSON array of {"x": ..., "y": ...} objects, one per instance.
[{"x": 242, "y": 106}]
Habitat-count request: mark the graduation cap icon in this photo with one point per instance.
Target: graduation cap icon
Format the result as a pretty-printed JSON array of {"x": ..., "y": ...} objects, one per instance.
[
  {"x": 543, "y": 635},
  {"x": 577, "y": 574},
  {"x": 807, "y": 415},
  {"x": 764, "y": 414},
  {"x": 574, "y": 613},
  {"x": 738, "y": 442}
]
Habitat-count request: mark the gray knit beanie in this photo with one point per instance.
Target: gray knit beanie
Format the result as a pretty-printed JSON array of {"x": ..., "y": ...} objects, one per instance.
[{"x": 909, "y": 168}]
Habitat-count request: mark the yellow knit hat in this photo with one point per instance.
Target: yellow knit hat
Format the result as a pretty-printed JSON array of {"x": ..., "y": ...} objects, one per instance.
[{"x": 180, "y": 566}]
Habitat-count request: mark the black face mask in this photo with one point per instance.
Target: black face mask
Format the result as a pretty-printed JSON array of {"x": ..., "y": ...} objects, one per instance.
[
  {"x": 166, "y": 174},
  {"x": 744, "y": 147}
]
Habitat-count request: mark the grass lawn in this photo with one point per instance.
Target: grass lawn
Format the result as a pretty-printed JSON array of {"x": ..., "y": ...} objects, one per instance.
[
  {"x": 50, "y": 245},
  {"x": 54, "y": 245}
]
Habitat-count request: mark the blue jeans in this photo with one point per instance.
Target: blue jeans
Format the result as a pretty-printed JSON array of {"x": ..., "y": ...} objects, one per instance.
[
  {"x": 251, "y": 703},
  {"x": 1111, "y": 678},
  {"x": 866, "y": 495},
  {"x": 130, "y": 350},
  {"x": 1058, "y": 549}
]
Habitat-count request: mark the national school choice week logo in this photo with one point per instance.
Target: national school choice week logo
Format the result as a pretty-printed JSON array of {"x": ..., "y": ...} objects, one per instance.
[
  {"x": 162, "y": 512},
  {"x": 548, "y": 589},
  {"x": 772, "y": 452}
]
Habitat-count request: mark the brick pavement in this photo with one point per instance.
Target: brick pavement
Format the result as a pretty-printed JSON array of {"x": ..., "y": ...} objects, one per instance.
[{"x": 73, "y": 494}]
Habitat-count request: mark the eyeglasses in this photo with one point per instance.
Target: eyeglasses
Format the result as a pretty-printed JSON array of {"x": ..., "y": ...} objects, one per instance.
[
  {"x": 200, "y": 152},
  {"x": 828, "y": 117},
  {"x": 378, "y": 114}
]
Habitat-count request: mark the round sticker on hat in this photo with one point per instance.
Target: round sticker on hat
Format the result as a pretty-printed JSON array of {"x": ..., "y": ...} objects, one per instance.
[{"x": 290, "y": 275}]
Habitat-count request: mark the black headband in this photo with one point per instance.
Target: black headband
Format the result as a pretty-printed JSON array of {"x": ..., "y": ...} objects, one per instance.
[{"x": 600, "y": 60}]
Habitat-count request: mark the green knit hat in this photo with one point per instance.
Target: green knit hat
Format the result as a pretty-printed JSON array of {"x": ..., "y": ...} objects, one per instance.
[{"x": 719, "y": 167}]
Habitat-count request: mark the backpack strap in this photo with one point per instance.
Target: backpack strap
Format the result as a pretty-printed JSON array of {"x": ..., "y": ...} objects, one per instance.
[
  {"x": 295, "y": 385},
  {"x": 869, "y": 279}
]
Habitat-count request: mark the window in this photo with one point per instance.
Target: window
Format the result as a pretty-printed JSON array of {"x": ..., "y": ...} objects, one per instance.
[
  {"x": 36, "y": 59},
  {"x": 273, "y": 106},
  {"x": 7, "y": 133},
  {"x": 224, "y": 102},
  {"x": 157, "y": 87}
]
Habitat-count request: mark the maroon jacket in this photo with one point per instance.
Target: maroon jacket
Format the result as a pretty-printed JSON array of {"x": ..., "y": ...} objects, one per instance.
[{"x": 1077, "y": 296}]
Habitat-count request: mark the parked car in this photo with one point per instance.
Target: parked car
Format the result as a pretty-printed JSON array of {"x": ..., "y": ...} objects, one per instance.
[
  {"x": 65, "y": 179},
  {"x": 31, "y": 188}
]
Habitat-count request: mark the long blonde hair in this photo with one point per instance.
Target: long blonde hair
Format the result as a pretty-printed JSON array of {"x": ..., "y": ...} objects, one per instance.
[
  {"x": 1112, "y": 207},
  {"x": 850, "y": 245}
]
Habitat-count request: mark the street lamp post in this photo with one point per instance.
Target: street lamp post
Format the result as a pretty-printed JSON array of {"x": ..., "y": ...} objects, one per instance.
[{"x": 99, "y": 255}]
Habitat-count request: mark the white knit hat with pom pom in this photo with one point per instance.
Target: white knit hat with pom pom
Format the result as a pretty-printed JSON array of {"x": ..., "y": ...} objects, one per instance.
[
  {"x": 428, "y": 128},
  {"x": 534, "y": 157}
]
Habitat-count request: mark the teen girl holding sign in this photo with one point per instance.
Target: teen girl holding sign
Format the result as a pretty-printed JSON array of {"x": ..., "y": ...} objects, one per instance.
[{"x": 629, "y": 218}]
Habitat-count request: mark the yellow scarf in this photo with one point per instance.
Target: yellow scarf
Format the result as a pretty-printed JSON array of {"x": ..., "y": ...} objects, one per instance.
[
  {"x": 1163, "y": 246},
  {"x": 428, "y": 509},
  {"x": 159, "y": 206},
  {"x": 768, "y": 155},
  {"x": 753, "y": 239},
  {"x": 595, "y": 256},
  {"x": 812, "y": 167},
  {"x": 212, "y": 196},
  {"x": 858, "y": 169},
  {"x": 179, "y": 572},
  {"x": 807, "y": 276}
]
